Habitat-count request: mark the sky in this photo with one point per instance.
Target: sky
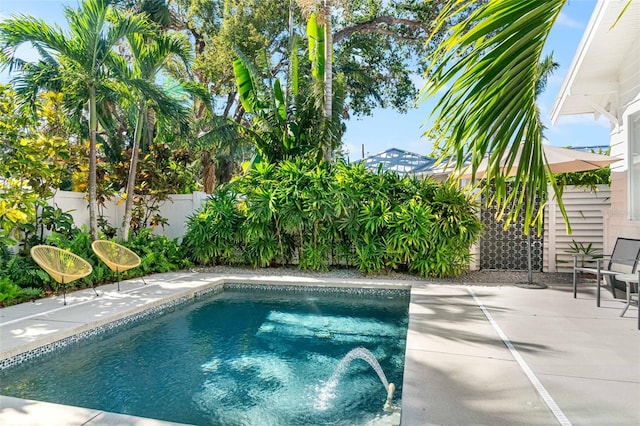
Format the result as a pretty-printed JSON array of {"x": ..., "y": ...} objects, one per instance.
[
  {"x": 386, "y": 129},
  {"x": 389, "y": 129}
]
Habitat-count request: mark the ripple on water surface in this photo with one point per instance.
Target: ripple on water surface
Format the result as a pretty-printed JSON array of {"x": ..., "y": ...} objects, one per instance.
[{"x": 239, "y": 358}]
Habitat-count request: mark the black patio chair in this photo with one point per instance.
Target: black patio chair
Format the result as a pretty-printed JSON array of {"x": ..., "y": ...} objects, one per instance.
[{"x": 623, "y": 260}]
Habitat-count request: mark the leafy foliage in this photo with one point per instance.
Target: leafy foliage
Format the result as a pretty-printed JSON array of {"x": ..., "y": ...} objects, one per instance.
[
  {"x": 81, "y": 62},
  {"x": 161, "y": 171},
  {"x": 587, "y": 179},
  {"x": 157, "y": 252},
  {"x": 585, "y": 253},
  {"x": 213, "y": 236},
  {"x": 11, "y": 293},
  {"x": 286, "y": 118},
  {"x": 31, "y": 167},
  {"x": 319, "y": 216},
  {"x": 489, "y": 101}
]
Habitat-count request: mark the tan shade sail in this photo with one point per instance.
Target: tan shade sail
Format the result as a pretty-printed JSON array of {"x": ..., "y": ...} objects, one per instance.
[{"x": 560, "y": 160}]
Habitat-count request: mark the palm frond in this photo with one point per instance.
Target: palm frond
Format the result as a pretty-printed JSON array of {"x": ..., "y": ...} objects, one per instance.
[
  {"x": 487, "y": 68},
  {"x": 22, "y": 29},
  {"x": 251, "y": 87},
  {"x": 34, "y": 77}
]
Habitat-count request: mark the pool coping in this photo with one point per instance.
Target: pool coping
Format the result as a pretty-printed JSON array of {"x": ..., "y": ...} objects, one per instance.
[
  {"x": 84, "y": 329},
  {"x": 13, "y": 351},
  {"x": 459, "y": 363}
]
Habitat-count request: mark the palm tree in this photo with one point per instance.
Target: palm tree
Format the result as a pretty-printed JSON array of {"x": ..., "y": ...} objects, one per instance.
[
  {"x": 323, "y": 9},
  {"x": 490, "y": 92},
  {"x": 84, "y": 55},
  {"x": 149, "y": 56},
  {"x": 328, "y": 72}
]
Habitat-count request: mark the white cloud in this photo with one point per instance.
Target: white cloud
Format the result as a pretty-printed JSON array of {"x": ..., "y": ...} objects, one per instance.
[{"x": 565, "y": 21}]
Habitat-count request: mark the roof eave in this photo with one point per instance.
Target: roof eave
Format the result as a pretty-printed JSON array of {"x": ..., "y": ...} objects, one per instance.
[{"x": 578, "y": 59}]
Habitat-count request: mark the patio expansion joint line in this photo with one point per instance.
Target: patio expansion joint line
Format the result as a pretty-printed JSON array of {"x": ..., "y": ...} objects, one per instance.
[
  {"x": 542, "y": 391},
  {"x": 495, "y": 358},
  {"x": 636, "y": 382},
  {"x": 98, "y": 414},
  {"x": 53, "y": 320}
]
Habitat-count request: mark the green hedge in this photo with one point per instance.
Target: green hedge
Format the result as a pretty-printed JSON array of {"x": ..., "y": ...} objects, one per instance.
[{"x": 335, "y": 215}]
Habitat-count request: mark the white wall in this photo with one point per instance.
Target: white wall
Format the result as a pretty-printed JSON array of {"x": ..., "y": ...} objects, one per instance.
[
  {"x": 617, "y": 219},
  {"x": 586, "y": 211},
  {"x": 176, "y": 210},
  {"x": 618, "y": 222}
]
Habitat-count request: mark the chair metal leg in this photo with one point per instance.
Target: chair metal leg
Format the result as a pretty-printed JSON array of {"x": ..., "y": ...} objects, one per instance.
[
  {"x": 575, "y": 279},
  {"x": 598, "y": 278},
  {"x": 638, "y": 298},
  {"x": 628, "y": 298},
  {"x": 629, "y": 288},
  {"x": 118, "y": 278},
  {"x": 64, "y": 293}
]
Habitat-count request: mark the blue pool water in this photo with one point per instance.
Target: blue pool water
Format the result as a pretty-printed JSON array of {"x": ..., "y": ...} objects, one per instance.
[{"x": 242, "y": 357}]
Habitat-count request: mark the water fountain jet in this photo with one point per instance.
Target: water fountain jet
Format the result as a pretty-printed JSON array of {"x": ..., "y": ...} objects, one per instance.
[{"x": 326, "y": 392}]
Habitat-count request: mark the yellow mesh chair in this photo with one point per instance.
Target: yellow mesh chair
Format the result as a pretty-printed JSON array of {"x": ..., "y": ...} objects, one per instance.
[
  {"x": 118, "y": 258},
  {"x": 62, "y": 265}
]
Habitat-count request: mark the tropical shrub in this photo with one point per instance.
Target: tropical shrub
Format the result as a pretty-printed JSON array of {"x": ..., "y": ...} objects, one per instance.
[
  {"x": 22, "y": 279},
  {"x": 589, "y": 179},
  {"x": 213, "y": 236},
  {"x": 31, "y": 165},
  {"x": 11, "y": 293},
  {"x": 325, "y": 215},
  {"x": 157, "y": 253}
]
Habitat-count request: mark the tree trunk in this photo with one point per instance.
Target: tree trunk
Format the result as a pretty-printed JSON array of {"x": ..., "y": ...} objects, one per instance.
[
  {"x": 151, "y": 127},
  {"x": 328, "y": 76},
  {"x": 208, "y": 172},
  {"x": 93, "y": 198},
  {"x": 131, "y": 181}
]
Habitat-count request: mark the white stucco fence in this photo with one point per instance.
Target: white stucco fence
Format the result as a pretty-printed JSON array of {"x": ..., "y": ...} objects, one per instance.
[
  {"x": 586, "y": 209},
  {"x": 176, "y": 210}
]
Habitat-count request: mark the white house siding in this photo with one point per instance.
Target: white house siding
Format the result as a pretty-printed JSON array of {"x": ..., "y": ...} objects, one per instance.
[
  {"x": 617, "y": 221},
  {"x": 586, "y": 212},
  {"x": 604, "y": 79}
]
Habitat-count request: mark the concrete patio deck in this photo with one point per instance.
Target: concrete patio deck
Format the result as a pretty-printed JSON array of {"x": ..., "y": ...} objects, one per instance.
[{"x": 476, "y": 354}]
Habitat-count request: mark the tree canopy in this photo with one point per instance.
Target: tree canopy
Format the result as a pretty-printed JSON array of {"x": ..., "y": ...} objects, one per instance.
[
  {"x": 378, "y": 45},
  {"x": 116, "y": 108}
]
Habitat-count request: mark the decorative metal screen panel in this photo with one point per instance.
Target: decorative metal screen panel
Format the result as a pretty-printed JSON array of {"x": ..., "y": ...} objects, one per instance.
[{"x": 507, "y": 249}]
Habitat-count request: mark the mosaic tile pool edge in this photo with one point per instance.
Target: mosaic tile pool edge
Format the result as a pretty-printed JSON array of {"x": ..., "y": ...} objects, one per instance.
[
  {"x": 92, "y": 332},
  {"x": 171, "y": 305},
  {"x": 297, "y": 288}
]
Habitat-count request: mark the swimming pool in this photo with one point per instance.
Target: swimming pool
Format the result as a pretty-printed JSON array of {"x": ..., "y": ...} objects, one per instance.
[{"x": 239, "y": 357}]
